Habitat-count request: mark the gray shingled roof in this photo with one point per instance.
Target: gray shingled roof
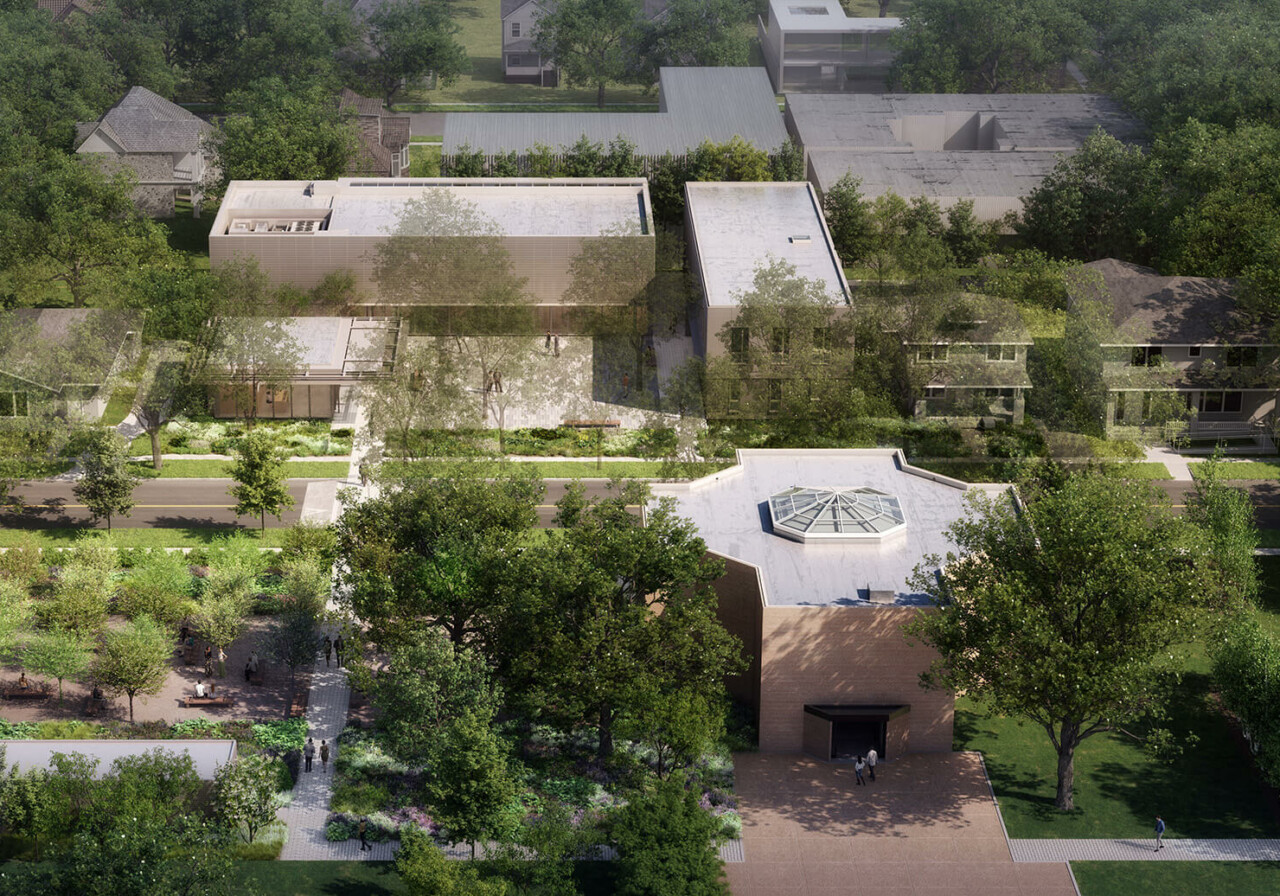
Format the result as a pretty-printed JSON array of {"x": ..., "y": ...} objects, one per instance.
[
  {"x": 696, "y": 104},
  {"x": 146, "y": 122},
  {"x": 510, "y": 6},
  {"x": 56, "y": 346},
  {"x": 1150, "y": 309}
]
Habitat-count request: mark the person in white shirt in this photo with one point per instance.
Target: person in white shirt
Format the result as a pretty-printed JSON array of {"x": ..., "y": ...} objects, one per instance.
[
  {"x": 200, "y": 688},
  {"x": 872, "y": 758}
]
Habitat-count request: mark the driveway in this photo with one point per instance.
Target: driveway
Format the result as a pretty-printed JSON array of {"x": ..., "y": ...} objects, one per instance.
[{"x": 927, "y": 827}]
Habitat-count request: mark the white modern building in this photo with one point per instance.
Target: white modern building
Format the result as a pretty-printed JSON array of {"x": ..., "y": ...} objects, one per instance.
[{"x": 814, "y": 46}]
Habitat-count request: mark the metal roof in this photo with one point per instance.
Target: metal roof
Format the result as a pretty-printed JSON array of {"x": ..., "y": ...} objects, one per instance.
[{"x": 695, "y": 104}]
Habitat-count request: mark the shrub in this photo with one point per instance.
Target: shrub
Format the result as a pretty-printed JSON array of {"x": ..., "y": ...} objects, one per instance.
[
  {"x": 337, "y": 831},
  {"x": 731, "y": 826},
  {"x": 308, "y": 541},
  {"x": 281, "y": 735},
  {"x": 68, "y": 729},
  {"x": 23, "y": 562},
  {"x": 18, "y": 730},
  {"x": 266, "y": 846},
  {"x": 1246, "y": 668},
  {"x": 359, "y": 797},
  {"x": 194, "y": 728}
]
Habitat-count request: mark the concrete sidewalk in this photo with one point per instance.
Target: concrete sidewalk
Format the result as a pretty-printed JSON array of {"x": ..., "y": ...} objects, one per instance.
[{"x": 1143, "y": 849}]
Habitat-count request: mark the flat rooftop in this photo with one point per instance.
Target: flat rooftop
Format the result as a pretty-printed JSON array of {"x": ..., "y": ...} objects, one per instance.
[
  {"x": 583, "y": 207},
  {"x": 207, "y": 755},
  {"x": 825, "y": 15},
  {"x": 731, "y": 511},
  {"x": 738, "y": 226}
]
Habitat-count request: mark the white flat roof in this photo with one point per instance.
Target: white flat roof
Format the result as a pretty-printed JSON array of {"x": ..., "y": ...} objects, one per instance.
[
  {"x": 517, "y": 206},
  {"x": 737, "y": 227},
  {"x": 825, "y": 15},
  {"x": 731, "y": 512},
  {"x": 207, "y": 755}
]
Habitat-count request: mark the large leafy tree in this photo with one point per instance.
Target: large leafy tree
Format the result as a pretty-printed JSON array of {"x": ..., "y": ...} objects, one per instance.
[
  {"x": 701, "y": 32},
  {"x": 409, "y": 40},
  {"x": 1067, "y": 612},
  {"x": 260, "y": 486},
  {"x": 245, "y": 794},
  {"x": 134, "y": 659},
  {"x": 106, "y": 483},
  {"x": 985, "y": 46},
  {"x": 666, "y": 844},
  {"x": 593, "y": 42},
  {"x": 471, "y": 788},
  {"x": 58, "y": 654},
  {"x": 422, "y": 393},
  {"x": 274, "y": 132}
]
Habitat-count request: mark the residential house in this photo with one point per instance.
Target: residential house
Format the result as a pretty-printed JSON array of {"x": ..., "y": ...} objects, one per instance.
[
  {"x": 300, "y": 367},
  {"x": 815, "y": 46},
  {"x": 63, "y": 360},
  {"x": 299, "y": 232},
  {"x": 1182, "y": 342},
  {"x": 521, "y": 60},
  {"x": 61, "y": 10},
  {"x": 695, "y": 104},
  {"x": 383, "y": 150},
  {"x": 976, "y": 365},
  {"x": 820, "y": 549},
  {"x": 990, "y": 149},
  {"x": 164, "y": 145}
]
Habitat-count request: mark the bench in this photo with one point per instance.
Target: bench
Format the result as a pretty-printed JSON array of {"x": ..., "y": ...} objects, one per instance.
[
  {"x": 592, "y": 424},
  {"x": 26, "y": 694},
  {"x": 207, "y": 701}
]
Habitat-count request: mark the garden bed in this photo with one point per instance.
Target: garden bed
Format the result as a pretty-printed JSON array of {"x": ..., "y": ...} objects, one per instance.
[{"x": 300, "y": 438}]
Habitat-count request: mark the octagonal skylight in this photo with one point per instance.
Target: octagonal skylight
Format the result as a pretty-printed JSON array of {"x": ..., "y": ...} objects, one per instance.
[{"x": 835, "y": 514}]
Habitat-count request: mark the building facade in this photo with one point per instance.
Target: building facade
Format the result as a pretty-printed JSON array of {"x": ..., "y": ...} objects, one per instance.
[{"x": 814, "y": 46}]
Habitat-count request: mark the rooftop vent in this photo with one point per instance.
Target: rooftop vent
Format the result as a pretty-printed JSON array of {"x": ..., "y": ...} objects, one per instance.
[
  {"x": 835, "y": 514},
  {"x": 802, "y": 239},
  {"x": 807, "y": 10},
  {"x": 884, "y": 596}
]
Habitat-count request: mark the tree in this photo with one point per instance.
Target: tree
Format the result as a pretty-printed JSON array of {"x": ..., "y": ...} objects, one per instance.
[
  {"x": 1067, "y": 612},
  {"x": 155, "y": 403},
  {"x": 134, "y": 659},
  {"x": 297, "y": 629},
  {"x": 423, "y": 392},
  {"x": 245, "y": 794},
  {"x": 16, "y": 613},
  {"x": 426, "y": 872},
  {"x": 408, "y": 40},
  {"x": 1246, "y": 672},
  {"x": 160, "y": 587},
  {"x": 106, "y": 483},
  {"x": 985, "y": 46},
  {"x": 82, "y": 592},
  {"x": 594, "y": 42},
  {"x": 693, "y": 32},
  {"x": 67, "y": 223},
  {"x": 428, "y": 687},
  {"x": 1225, "y": 515},
  {"x": 260, "y": 483},
  {"x": 273, "y": 132},
  {"x": 57, "y": 654},
  {"x": 1100, "y": 202},
  {"x": 666, "y": 844},
  {"x": 225, "y": 603},
  {"x": 470, "y": 787},
  {"x": 848, "y": 219}
]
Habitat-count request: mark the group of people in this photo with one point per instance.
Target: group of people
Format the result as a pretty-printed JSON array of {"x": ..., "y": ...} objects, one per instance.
[
  {"x": 493, "y": 381},
  {"x": 309, "y": 753},
  {"x": 865, "y": 765},
  {"x": 552, "y": 343},
  {"x": 333, "y": 648}
]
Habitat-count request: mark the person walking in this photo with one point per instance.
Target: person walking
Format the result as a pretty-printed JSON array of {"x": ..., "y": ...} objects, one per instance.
[
  {"x": 872, "y": 758},
  {"x": 364, "y": 844},
  {"x": 309, "y": 752},
  {"x": 208, "y": 661},
  {"x": 1159, "y": 834},
  {"x": 328, "y": 650},
  {"x": 337, "y": 651},
  {"x": 324, "y": 756},
  {"x": 364, "y": 474},
  {"x": 858, "y": 765}
]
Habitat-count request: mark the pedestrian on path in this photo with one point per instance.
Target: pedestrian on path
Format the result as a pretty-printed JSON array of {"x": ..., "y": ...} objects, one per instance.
[
  {"x": 872, "y": 758},
  {"x": 208, "y": 661},
  {"x": 364, "y": 844},
  {"x": 328, "y": 650},
  {"x": 858, "y": 765},
  {"x": 324, "y": 756},
  {"x": 309, "y": 752},
  {"x": 364, "y": 474},
  {"x": 555, "y": 341},
  {"x": 337, "y": 650},
  {"x": 1159, "y": 834}
]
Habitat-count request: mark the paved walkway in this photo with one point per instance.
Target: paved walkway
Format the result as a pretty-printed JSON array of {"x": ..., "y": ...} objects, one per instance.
[
  {"x": 1142, "y": 849},
  {"x": 1174, "y": 462}
]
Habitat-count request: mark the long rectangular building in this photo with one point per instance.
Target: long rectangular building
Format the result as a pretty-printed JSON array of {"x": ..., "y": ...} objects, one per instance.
[{"x": 301, "y": 231}]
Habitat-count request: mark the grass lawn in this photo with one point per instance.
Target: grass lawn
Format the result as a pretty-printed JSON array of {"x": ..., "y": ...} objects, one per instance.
[
  {"x": 367, "y": 878},
  {"x": 424, "y": 161},
  {"x": 219, "y": 469},
  {"x": 191, "y": 235},
  {"x": 67, "y": 536},
  {"x": 1246, "y": 469},
  {"x": 119, "y": 406},
  {"x": 1269, "y": 538},
  {"x": 1176, "y": 878},
  {"x": 1137, "y": 470},
  {"x": 1269, "y": 593}
]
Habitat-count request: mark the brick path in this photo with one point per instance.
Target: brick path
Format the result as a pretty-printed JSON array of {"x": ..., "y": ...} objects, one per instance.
[{"x": 1142, "y": 849}]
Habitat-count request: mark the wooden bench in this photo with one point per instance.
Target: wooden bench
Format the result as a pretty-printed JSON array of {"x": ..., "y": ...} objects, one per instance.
[
  {"x": 207, "y": 701},
  {"x": 25, "y": 694},
  {"x": 592, "y": 424}
]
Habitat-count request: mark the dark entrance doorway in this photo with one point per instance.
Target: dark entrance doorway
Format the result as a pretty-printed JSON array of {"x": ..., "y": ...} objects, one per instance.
[{"x": 836, "y": 732}]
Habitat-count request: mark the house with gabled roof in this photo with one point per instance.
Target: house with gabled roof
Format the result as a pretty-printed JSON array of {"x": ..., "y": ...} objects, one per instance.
[
  {"x": 63, "y": 360},
  {"x": 61, "y": 10},
  {"x": 163, "y": 144},
  {"x": 1185, "y": 339},
  {"x": 383, "y": 150},
  {"x": 521, "y": 60}
]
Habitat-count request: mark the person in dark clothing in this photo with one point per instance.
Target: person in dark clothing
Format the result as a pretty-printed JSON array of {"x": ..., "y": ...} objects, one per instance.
[
  {"x": 248, "y": 672},
  {"x": 337, "y": 650},
  {"x": 858, "y": 766},
  {"x": 309, "y": 752},
  {"x": 364, "y": 844},
  {"x": 324, "y": 755},
  {"x": 328, "y": 650},
  {"x": 1159, "y": 834}
]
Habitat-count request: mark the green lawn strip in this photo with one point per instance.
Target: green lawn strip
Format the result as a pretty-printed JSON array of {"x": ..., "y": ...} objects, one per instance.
[
  {"x": 370, "y": 878},
  {"x": 119, "y": 406},
  {"x": 1269, "y": 538},
  {"x": 1246, "y": 469},
  {"x": 192, "y": 537},
  {"x": 568, "y": 469},
  {"x": 424, "y": 161},
  {"x": 189, "y": 234},
  {"x": 220, "y": 469},
  {"x": 1175, "y": 878},
  {"x": 1211, "y": 790},
  {"x": 1137, "y": 470},
  {"x": 1269, "y": 591}
]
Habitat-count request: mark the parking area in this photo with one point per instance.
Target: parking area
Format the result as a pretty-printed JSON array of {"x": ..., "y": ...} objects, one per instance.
[{"x": 927, "y": 826}]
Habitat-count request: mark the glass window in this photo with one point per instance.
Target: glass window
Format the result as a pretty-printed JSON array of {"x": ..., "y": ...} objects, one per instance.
[
  {"x": 1146, "y": 356},
  {"x": 19, "y": 404},
  {"x": 1120, "y": 405},
  {"x": 739, "y": 343},
  {"x": 515, "y": 29},
  {"x": 1194, "y": 351},
  {"x": 822, "y": 339},
  {"x": 931, "y": 353},
  {"x": 775, "y": 395},
  {"x": 513, "y": 60},
  {"x": 1242, "y": 356},
  {"x": 735, "y": 395},
  {"x": 6, "y": 404},
  {"x": 1210, "y": 402},
  {"x": 781, "y": 341},
  {"x": 1002, "y": 353},
  {"x": 1231, "y": 402}
]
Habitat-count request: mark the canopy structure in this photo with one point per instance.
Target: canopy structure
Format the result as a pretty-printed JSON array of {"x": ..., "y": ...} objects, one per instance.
[{"x": 805, "y": 513}]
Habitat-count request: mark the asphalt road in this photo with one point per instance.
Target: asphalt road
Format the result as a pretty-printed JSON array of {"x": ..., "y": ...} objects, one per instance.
[
  {"x": 193, "y": 503},
  {"x": 1265, "y": 495}
]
